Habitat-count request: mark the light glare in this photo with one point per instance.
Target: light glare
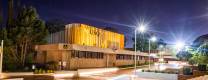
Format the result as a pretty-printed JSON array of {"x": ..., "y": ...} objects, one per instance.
[
  {"x": 179, "y": 45},
  {"x": 153, "y": 39},
  {"x": 142, "y": 28},
  {"x": 161, "y": 46}
]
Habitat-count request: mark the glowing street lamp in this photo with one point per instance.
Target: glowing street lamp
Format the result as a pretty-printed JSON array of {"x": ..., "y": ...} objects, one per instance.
[
  {"x": 161, "y": 46},
  {"x": 179, "y": 45},
  {"x": 153, "y": 39},
  {"x": 141, "y": 29},
  {"x": 161, "y": 53}
]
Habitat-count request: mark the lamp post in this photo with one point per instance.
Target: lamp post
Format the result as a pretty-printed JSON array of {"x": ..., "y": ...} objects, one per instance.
[
  {"x": 153, "y": 39},
  {"x": 135, "y": 47},
  {"x": 1, "y": 56},
  {"x": 161, "y": 49},
  {"x": 141, "y": 29}
]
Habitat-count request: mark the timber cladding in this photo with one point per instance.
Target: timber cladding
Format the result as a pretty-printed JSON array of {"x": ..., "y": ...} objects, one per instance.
[
  {"x": 86, "y": 35},
  {"x": 91, "y": 36}
]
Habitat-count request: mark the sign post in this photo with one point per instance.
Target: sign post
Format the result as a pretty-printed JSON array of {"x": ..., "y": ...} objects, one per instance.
[{"x": 1, "y": 55}]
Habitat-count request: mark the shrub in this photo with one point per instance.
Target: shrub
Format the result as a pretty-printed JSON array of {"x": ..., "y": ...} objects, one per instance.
[
  {"x": 36, "y": 71},
  {"x": 202, "y": 67},
  {"x": 52, "y": 65},
  {"x": 187, "y": 71},
  {"x": 192, "y": 62},
  {"x": 40, "y": 71}
]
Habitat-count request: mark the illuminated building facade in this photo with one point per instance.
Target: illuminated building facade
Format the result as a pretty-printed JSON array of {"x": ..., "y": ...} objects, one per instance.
[
  {"x": 88, "y": 36},
  {"x": 84, "y": 46}
]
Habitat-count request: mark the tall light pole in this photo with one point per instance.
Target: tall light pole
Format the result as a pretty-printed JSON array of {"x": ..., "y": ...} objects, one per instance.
[
  {"x": 162, "y": 50},
  {"x": 135, "y": 47},
  {"x": 153, "y": 39},
  {"x": 141, "y": 29},
  {"x": 1, "y": 55}
]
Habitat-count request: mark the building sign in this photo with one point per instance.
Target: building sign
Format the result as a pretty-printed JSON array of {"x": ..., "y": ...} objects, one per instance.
[
  {"x": 65, "y": 46},
  {"x": 94, "y": 32}
]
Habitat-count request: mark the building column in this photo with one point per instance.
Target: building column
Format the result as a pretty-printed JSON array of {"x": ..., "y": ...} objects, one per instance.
[{"x": 107, "y": 60}]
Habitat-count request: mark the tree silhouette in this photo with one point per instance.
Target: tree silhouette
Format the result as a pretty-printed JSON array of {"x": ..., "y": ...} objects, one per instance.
[{"x": 29, "y": 30}]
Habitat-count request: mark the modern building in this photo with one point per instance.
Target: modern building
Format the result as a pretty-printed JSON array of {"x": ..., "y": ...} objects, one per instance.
[{"x": 84, "y": 46}]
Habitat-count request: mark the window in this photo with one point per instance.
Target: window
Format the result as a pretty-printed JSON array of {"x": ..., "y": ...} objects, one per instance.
[
  {"x": 86, "y": 54},
  {"x": 73, "y": 54},
  {"x": 124, "y": 57}
]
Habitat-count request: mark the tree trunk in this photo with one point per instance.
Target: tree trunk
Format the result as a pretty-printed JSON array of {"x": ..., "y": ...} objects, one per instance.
[
  {"x": 22, "y": 53},
  {"x": 25, "y": 52}
]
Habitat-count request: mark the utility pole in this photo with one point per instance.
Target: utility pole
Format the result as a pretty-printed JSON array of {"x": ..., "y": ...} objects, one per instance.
[{"x": 1, "y": 55}]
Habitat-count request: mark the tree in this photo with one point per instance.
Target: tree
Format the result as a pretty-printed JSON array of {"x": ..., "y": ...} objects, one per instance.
[
  {"x": 161, "y": 42},
  {"x": 200, "y": 50},
  {"x": 201, "y": 54},
  {"x": 184, "y": 55},
  {"x": 200, "y": 40},
  {"x": 111, "y": 29},
  {"x": 199, "y": 59},
  {"x": 143, "y": 43},
  {"x": 8, "y": 60},
  {"x": 29, "y": 30},
  {"x": 55, "y": 25}
]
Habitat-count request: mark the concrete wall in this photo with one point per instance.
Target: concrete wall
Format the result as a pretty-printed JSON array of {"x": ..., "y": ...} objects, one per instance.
[
  {"x": 54, "y": 56},
  {"x": 86, "y": 63},
  {"x": 141, "y": 61},
  {"x": 40, "y": 58},
  {"x": 124, "y": 62}
]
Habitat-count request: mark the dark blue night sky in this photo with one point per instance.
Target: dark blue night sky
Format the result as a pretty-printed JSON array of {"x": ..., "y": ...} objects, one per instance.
[{"x": 171, "y": 20}]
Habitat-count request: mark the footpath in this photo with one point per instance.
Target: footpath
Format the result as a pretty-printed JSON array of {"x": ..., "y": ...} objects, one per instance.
[{"x": 66, "y": 74}]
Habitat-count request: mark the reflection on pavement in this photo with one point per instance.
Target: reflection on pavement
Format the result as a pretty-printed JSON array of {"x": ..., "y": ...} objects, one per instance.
[{"x": 122, "y": 74}]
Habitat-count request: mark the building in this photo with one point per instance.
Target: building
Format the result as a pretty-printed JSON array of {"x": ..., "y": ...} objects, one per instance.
[{"x": 84, "y": 46}]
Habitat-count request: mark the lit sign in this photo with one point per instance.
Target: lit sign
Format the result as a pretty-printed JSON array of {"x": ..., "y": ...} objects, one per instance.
[
  {"x": 94, "y": 32},
  {"x": 65, "y": 46}
]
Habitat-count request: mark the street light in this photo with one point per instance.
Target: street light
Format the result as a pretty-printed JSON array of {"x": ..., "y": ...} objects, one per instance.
[
  {"x": 153, "y": 39},
  {"x": 161, "y": 46},
  {"x": 141, "y": 29},
  {"x": 179, "y": 45},
  {"x": 1, "y": 56}
]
